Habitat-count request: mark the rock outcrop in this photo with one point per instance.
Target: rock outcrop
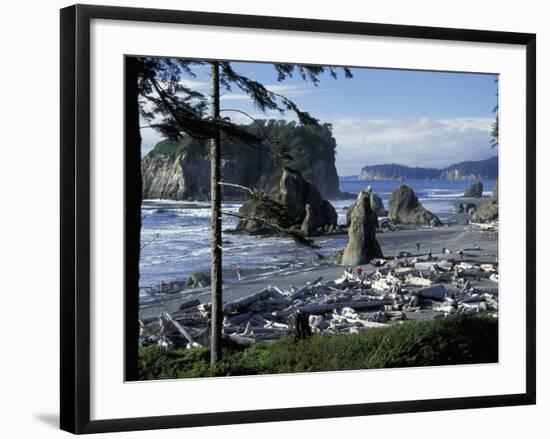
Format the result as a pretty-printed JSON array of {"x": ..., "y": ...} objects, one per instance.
[
  {"x": 470, "y": 208},
  {"x": 376, "y": 204},
  {"x": 489, "y": 211},
  {"x": 299, "y": 205},
  {"x": 181, "y": 170},
  {"x": 362, "y": 244},
  {"x": 475, "y": 190},
  {"x": 404, "y": 208},
  {"x": 183, "y": 177}
]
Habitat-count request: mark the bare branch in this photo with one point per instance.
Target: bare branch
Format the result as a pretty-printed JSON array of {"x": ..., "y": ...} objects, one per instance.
[{"x": 238, "y": 186}]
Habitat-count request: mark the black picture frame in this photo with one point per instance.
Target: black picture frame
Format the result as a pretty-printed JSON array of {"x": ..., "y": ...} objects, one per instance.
[{"x": 75, "y": 218}]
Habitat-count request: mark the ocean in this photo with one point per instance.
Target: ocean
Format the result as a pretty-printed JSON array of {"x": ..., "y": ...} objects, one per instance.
[{"x": 175, "y": 235}]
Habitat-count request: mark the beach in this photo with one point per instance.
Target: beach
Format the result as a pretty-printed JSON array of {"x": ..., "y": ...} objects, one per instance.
[
  {"x": 479, "y": 246},
  {"x": 175, "y": 235}
]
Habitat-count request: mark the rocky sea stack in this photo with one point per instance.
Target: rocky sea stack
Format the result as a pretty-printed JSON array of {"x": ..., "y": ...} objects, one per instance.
[
  {"x": 475, "y": 190},
  {"x": 302, "y": 208},
  {"x": 404, "y": 208},
  {"x": 362, "y": 244},
  {"x": 376, "y": 204},
  {"x": 489, "y": 211}
]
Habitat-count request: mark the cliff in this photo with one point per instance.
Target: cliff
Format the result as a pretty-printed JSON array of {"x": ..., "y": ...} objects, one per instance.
[
  {"x": 470, "y": 170},
  {"x": 181, "y": 170}
]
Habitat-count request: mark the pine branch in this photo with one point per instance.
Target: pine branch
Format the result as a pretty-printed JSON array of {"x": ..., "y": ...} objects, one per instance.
[{"x": 296, "y": 235}]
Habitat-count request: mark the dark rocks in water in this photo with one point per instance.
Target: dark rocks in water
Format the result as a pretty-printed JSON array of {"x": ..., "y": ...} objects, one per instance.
[
  {"x": 474, "y": 190},
  {"x": 198, "y": 279},
  {"x": 459, "y": 208},
  {"x": 404, "y": 208},
  {"x": 489, "y": 211},
  {"x": 301, "y": 204},
  {"x": 362, "y": 244},
  {"x": 470, "y": 208},
  {"x": 376, "y": 204}
]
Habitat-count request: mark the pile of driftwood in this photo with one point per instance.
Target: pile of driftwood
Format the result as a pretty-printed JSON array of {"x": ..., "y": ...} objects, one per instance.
[{"x": 396, "y": 290}]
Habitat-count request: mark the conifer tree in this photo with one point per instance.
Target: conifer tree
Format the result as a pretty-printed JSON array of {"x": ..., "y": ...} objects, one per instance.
[{"x": 175, "y": 110}]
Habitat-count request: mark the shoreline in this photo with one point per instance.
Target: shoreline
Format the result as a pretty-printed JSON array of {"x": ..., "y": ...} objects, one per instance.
[{"x": 453, "y": 237}]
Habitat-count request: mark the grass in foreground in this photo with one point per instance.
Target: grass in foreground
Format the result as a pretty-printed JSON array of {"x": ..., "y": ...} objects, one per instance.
[{"x": 452, "y": 340}]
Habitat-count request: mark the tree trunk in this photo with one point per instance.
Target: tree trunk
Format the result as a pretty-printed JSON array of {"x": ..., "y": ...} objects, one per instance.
[
  {"x": 132, "y": 207},
  {"x": 215, "y": 171}
]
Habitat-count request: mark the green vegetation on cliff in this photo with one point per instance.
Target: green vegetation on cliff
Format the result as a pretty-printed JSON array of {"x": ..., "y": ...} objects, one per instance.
[
  {"x": 171, "y": 148},
  {"x": 311, "y": 151},
  {"x": 446, "y": 341}
]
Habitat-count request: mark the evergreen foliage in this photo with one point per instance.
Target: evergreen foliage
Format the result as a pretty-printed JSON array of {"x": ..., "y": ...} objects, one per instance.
[{"x": 446, "y": 341}]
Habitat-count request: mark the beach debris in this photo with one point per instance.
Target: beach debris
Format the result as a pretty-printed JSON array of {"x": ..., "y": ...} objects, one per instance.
[
  {"x": 388, "y": 293},
  {"x": 436, "y": 291},
  {"x": 191, "y": 343},
  {"x": 189, "y": 304}
]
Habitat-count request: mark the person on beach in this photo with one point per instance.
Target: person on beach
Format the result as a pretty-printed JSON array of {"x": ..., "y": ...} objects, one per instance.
[
  {"x": 461, "y": 253},
  {"x": 359, "y": 272},
  {"x": 238, "y": 270},
  {"x": 417, "y": 246},
  {"x": 348, "y": 273},
  {"x": 362, "y": 278},
  {"x": 430, "y": 255}
]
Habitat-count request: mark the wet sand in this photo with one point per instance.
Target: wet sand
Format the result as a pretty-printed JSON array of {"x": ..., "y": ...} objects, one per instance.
[{"x": 453, "y": 237}]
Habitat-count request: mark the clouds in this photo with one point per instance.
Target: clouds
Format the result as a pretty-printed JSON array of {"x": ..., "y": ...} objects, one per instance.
[
  {"x": 287, "y": 90},
  {"x": 427, "y": 142}
]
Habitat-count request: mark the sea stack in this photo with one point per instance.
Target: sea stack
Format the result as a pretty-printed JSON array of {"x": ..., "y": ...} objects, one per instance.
[
  {"x": 376, "y": 204},
  {"x": 302, "y": 207},
  {"x": 404, "y": 208},
  {"x": 489, "y": 211},
  {"x": 362, "y": 244},
  {"x": 474, "y": 190}
]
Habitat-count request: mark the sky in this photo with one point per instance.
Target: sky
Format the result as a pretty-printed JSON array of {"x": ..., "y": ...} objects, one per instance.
[{"x": 414, "y": 118}]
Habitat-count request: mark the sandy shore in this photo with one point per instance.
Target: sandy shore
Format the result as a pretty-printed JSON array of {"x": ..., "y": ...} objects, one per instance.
[{"x": 453, "y": 238}]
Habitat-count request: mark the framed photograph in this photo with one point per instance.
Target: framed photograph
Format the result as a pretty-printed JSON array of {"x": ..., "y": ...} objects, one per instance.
[{"x": 273, "y": 218}]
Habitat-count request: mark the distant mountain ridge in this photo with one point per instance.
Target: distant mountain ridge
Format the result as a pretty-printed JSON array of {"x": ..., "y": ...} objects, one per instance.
[{"x": 469, "y": 170}]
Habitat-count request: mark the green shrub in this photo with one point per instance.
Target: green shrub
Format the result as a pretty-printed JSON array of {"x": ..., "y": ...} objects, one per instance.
[{"x": 452, "y": 340}]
